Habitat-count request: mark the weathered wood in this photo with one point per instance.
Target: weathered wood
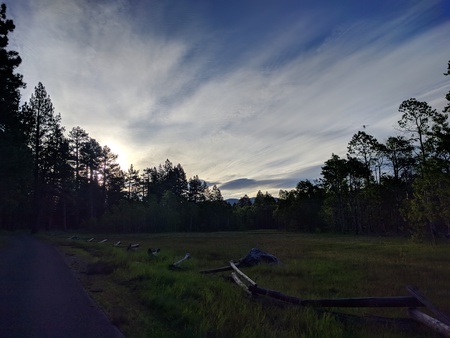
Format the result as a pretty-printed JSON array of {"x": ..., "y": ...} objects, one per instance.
[
  {"x": 153, "y": 252},
  {"x": 235, "y": 268},
  {"x": 222, "y": 269},
  {"x": 175, "y": 265},
  {"x": 403, "y": 301},
  {"x": 103, "y": 241},
  {"x": 274, "y": 294},
  {"x": 240, "y": 283},
  {"x": 118, "y": 243},
  {"x": 90, "y": 239},
  {"x": 132, "y": 247},
  {"x": 340, "y": 302},
  {"x": 426, "y": 302},
  {"x": 430, "y": 322}
]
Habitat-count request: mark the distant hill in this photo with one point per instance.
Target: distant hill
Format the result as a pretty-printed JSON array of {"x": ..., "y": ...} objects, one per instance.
[{"x": 233, "y": 201}]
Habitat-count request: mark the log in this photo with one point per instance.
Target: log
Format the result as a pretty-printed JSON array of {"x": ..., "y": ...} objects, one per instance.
[
  {"x": 274, "y": 294},
  {"x": 103, "y": 241},
  {"x": 235, "y": 268},
  {"x": 340, "y": 302},
  {"x": 117, "y": 243},
  {"x": 175, "y": 265},
  {"x": 153, "y": 252},
  {"x": 430, "y": 322},
  {"x": 239, "y": 282},
  {"x": 90, "y": 239},
  {"x": 222, "y": 269},
  {"x": 132, "y": 247},
  {"x": 426, "y": 302}
]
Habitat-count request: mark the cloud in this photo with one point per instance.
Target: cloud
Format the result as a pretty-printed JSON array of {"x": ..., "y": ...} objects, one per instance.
[{"x": 258, "y": 103}]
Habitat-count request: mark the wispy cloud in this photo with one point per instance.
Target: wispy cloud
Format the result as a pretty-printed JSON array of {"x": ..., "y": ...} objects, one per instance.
[{"x": 259, "y": 104}]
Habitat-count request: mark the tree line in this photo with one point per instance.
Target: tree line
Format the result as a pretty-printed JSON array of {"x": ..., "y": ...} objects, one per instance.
[{"x": 50, "y": 179}]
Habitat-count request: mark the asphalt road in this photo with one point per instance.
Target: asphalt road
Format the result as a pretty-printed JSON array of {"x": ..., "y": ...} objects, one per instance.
[{"x": 40, "y": 296}]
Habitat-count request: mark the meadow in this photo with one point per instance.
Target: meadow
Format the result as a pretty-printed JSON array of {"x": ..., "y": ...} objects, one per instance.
[{"x": 145, "y": 298}]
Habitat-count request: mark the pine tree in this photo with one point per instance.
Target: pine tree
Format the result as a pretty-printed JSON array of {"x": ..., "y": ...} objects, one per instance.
[
  {"x": 45, "y": 138},
  {"x": 14, "y": 169}
]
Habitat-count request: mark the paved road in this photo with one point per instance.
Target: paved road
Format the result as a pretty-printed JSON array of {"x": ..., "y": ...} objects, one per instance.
[{"x": 40, "y": 297}]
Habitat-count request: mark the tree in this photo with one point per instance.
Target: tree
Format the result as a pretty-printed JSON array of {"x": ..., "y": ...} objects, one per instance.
[
  {"x": 43, "y": 132},
  {"x": 132, "y": 184},
  {"x": 78, "y": 138},
  {"x": 214, "y": 194},
  {"x": 264, "y": 206},
  {"x": 10, "y": 81},
  {"x": 197, "y": 189},
  {"x": 399, "y": 152},
  {"x": 417, "y": 119},
  {"x": 15, "y": 171},
  {"x": 335, "y": 183},
  {"x": 447, "y": 96},
  {"x": 300, "y": 209},
  {"x": 364, "y": 148},
  {"x": 111, "y": 177},
  {"x": 429, "y": 207}
]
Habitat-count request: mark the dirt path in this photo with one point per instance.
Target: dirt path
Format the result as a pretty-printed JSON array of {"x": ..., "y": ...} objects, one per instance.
[{"x": 40, "y": 297}]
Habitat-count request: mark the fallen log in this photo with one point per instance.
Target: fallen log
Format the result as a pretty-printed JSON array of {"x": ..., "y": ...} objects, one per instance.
[
  {"x": 118, "y": 243},
  {"x": 240, "y": 283},
  {"x": 222, "y": 269},
  {"x": 175, "y": 265},
  {"x": 132, "y": 247},
  {"x": 235, "y": 268},
  {"x": 430, "y": 322},
  {"x": 340, "y": 302},
  {"x": 426, "y": 302},
  {"x": 103, "y": 241},
  {"x": 153, "y": 252},
  {"x": 90, "y": 239}
]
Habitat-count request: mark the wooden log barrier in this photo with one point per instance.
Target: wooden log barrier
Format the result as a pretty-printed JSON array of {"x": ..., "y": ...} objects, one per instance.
[
  {"x": 426, "y": 302},
  {"x": 235, "y": 268},
  {"x": 240, "y": 283},
  {"x": 221, "y": 269},
  {"x": 340, "y": 302},
  {"x": 133, "y": 246},
  {"x": 430, "y": 322},
  {"x": 175, "y": 265}
]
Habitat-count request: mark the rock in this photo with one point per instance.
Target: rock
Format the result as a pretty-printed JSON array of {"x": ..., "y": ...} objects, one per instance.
[{"x": 255, "y": 256}]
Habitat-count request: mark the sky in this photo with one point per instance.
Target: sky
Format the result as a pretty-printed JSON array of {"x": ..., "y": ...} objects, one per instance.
[{"x": 247, "y": 94}]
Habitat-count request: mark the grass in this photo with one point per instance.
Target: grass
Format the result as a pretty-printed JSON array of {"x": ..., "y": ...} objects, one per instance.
[{"x": 144, "y": 298}]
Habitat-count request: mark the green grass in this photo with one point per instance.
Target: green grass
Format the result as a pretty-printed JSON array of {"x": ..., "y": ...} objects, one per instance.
[{"x": 144, "y": 298}]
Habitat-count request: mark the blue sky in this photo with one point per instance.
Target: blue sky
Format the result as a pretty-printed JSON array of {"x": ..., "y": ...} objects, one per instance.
[{"x": 249, "y": 95}]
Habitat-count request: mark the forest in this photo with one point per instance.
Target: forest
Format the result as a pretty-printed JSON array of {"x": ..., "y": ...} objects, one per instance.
[{"x": 57, "y": 179}]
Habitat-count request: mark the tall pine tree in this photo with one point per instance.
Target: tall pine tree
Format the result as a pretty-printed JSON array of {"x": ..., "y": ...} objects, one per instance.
[
  {"x": 49, "y": 148},
  {"x": 14, "y": 169}
]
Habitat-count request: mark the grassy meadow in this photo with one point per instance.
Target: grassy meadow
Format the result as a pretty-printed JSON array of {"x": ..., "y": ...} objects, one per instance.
[{"x": 146, "y": 299}]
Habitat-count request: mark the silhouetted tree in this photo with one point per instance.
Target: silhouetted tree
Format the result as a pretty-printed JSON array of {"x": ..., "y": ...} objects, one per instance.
[
  {"x": 43, "y": 131},
  {"x": 111, "y": 177},
  {"x": 197, "y": 189},
  {"x": 132, "y": 184},
  {"x": 15, "y": 172}
]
